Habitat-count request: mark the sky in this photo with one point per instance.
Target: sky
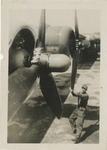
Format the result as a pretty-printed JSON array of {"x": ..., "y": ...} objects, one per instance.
[{"x": 88, "y": 20}]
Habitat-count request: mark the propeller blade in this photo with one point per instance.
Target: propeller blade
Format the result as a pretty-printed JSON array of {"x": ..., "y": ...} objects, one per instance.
[
  {"x": 47, "y": 83},
  {"x": 20, "y": 83},
  {"x": 41, "y": 33},
  {"x": 76, "y": 53},
  {"x": 76, "y": 26},
  {"x": 50, "y": 93},
  {"x": 74, "y": 69}
]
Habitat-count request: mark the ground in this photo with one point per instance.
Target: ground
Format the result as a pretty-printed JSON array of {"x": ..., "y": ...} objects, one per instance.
[{"x": 34, "y": 122}]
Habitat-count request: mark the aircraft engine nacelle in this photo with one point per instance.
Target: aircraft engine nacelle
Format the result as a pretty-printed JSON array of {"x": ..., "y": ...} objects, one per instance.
[{"x": 60, "y": 40}]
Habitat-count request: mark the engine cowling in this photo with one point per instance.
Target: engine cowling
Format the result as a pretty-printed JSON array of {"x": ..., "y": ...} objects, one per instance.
[{"x": 60, "y": 40}]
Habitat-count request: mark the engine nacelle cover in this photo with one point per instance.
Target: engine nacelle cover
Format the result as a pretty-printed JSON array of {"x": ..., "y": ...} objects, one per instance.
[{"x": 60, "y": 40}]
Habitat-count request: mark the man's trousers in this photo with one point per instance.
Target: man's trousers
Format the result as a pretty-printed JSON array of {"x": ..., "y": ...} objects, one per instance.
[{"x": 76, "y": 120}]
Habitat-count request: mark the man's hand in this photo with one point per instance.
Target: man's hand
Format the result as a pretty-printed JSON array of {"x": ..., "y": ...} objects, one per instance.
[{"x": 73, "y": 93}]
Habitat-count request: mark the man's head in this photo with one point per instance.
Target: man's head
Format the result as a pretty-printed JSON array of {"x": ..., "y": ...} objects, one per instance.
[{"x": 84, "y": 88}]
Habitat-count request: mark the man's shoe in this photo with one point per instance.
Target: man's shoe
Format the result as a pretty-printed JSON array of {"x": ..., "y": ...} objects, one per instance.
[
  {"x": 77, "y": 140},
  {"x": 73, "y": 138}
]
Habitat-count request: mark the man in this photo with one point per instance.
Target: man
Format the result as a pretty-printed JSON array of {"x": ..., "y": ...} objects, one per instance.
[{"x": 77, "y": 117}]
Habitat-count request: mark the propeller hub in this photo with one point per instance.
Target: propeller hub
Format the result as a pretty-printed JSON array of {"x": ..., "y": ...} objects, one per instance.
[{"x": 36, "y": 55}]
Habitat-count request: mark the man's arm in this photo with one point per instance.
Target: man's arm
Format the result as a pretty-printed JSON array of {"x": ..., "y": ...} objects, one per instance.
[
  {"x": 80, "y": 95},
  {"x": 74, "y": 93},
  {"x": 83, "y": 95}
]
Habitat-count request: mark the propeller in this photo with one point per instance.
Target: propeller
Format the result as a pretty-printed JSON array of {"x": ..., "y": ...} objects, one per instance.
[
  {"x": 76, "y": 53},
  {"x": 47, "y": 83}
]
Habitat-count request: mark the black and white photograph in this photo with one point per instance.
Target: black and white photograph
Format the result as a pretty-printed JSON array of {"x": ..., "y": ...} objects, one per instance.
[{"x": 53, "y": 75}]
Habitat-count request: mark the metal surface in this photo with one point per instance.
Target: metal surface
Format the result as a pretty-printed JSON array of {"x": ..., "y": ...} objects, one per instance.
[
  {"x": 41, "y": 34},
  {"x": 50, "y": 92},
  {"x": 20, "y": 83},
  {"x": 60, "y": 40}
]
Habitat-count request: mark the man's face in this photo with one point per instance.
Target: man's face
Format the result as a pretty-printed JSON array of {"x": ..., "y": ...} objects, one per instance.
[{"x": 83, "y": 90}]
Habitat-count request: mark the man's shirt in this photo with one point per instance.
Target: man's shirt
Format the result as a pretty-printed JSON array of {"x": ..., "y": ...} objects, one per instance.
[{"x": 82, "y": 99}]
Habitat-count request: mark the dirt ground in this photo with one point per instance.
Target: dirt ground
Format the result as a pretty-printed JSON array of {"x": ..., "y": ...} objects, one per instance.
[{"x": 34, "y": 122}]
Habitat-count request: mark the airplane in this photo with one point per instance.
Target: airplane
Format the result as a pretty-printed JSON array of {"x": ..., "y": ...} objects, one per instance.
[
  {"x": 93, "y": 40},
  {"x": 90, "y": 48},
  {"x": 32, "y": 56}
]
